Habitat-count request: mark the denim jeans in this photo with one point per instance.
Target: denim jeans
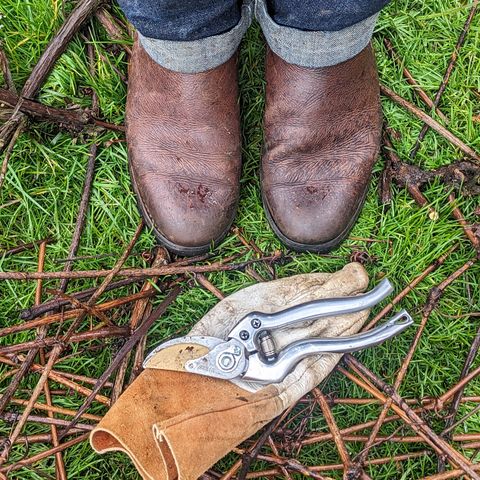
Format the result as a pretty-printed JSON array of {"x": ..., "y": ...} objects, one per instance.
[{"x": 195, "y": 35}]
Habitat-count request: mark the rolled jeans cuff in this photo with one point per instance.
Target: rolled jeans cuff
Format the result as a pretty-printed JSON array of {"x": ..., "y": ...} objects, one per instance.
[
  {"x": 198, "y": 55},
  {"x": 314, "y": 48}
]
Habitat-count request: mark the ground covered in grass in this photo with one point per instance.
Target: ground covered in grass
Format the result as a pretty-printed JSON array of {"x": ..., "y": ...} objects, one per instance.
[{"x": 43, "y": 187}]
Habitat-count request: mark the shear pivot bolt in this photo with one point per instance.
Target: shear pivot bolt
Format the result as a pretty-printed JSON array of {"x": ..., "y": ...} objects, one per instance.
[
  {"x": 256, "y": 323},
  {"x": 226, "y": 361}
]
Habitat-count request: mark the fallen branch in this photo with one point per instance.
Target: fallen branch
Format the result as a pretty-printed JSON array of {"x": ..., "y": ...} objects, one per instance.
[
  {"x": 45, "y": 64},
  {"x": 457, "y": 214},
  {"x": 13, "y": 361},
  {"x": 425, "y": 401},
  {"x": 87, "y": 185},
  {"x": 433, "y": 298},
  {"x": 140, "y": 272},
  {"x": 339, "y": 466},
  {"x": 60, "y": 346},
  {"x": 55, "y": 409},
  {"x": 407, "y": 414},
  {"x": 127, "y": 347},
  {"x": 450, "y": 474},
  {"x": 338, "y": 438},
  {"x": 106, "y": 332},
  {"x": 141, "y": 308},
  {"x": 75, "y": 119},
  {"x": 462, "y": 174},
  {"x": 249, "y": 456},
  {"x": 59, "y": 462},
  {"x": 40, "y": 456},
  {"x": 461, "y": 437},
  {"x": 61, "y": 378},
  {"x": 13, "y": 417},
  {"x": 41, "y": 334},
  {"x": 409, "y": 77},
  {"x": 8, "y": 151},
  {"x": 456, "y": 388},
  {"x": 114, "y": 30},
  {"x": 6, "y": 72},
  {"x": 209, "y": 286},
  {"x": 45, "y": 307},
  {"x": 38, "y": 438},
  {"x": 24, "y": 246},
  {"x": 71, "y": 314},
  {"x": 313, "y": 438},
  {"x": 431, "y": 268}
]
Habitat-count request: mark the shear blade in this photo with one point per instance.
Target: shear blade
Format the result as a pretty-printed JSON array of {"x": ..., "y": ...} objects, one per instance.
[{"x": 174, "y": 354}]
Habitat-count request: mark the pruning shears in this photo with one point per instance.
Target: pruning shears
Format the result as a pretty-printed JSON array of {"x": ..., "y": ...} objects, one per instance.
[{"x": 249, "y": 352}]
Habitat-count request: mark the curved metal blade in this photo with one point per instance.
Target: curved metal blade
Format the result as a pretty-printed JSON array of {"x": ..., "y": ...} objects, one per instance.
[{"x": 174, "y": 354}]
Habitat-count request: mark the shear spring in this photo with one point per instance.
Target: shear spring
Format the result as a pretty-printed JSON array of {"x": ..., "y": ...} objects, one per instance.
[{"x": 267, "y": 346}]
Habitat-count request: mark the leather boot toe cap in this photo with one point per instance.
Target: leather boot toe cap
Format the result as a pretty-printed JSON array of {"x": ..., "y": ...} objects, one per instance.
[
  {"x": 311, "y": 220},
  {"x": 187, "y": 217}
]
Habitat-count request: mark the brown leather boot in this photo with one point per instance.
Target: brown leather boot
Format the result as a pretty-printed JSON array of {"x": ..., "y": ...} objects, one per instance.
[
  {"x": 183, "y": 135},
  {"x": 322, "y": 136}
]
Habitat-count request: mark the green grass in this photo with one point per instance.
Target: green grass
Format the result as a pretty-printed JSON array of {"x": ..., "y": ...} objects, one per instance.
[{"x": 44, "y": 184}]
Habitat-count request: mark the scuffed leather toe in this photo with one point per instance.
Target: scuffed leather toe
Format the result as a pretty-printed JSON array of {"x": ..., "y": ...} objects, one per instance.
[
  {"x": 303, "y": 225},
  {"x": 202, "y": 216}
]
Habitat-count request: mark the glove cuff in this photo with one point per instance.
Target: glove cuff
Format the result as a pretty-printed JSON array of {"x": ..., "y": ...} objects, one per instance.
[{"x": 177, "y": 425}]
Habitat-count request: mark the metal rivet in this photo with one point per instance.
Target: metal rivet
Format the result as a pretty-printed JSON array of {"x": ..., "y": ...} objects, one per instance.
[
  {"x": 244, "y": 335},
  {"x": 256, "y": 323}
]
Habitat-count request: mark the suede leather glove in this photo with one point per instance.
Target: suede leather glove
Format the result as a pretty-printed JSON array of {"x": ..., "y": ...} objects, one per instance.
[{"x": 175, "y": 424}]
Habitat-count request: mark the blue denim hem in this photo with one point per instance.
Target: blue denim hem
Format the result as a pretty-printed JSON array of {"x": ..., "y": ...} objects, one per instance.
[
  {"x": 305, "y": 48},
  {"x": 314, "y": 49},
  {"x": 199, "y": 55}
]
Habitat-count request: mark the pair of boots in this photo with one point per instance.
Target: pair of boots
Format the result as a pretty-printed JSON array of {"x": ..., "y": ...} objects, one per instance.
[{"x": 322, "y": 131}]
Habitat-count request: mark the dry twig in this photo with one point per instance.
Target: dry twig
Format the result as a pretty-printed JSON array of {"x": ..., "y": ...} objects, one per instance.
[
  {"x": 44, "y": 66},
  {"x": 74, "y": 119},
  {"x": 453, "y": 139},
  {"x": 114, "y": 30},
  {"x": 40, "y": 456},
  {"x": 59, "y": 463},
  {"x": 24, "y": 246},
  {"x": 432, "y": 301},
  {"x": 409, "y": 77},
  {"x": 406, "y": 413},
  {"x": 332, "y": 425},
  {"x": 5, "y": 69},
  {"x": 72, "y": 314},
  {"x": 141, "y": 272},
  {"x": 60, "y": 346},
  {"x": 141, "y": 308}
]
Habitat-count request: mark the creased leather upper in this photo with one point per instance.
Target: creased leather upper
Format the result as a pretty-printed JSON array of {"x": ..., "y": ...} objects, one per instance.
[
  {"x": 184, "y": 148},
  {"x": 322, "y": 135}
]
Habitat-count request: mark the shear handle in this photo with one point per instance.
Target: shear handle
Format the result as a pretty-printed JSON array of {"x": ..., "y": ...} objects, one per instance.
[
  {"x": 248, "y": 329},
  {"x": 260, "y": 371}
]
